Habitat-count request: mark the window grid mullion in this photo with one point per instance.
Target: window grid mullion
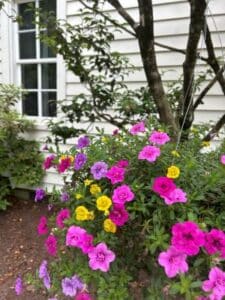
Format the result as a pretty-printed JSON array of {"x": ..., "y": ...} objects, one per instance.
[{"x": 39, "y": 91}]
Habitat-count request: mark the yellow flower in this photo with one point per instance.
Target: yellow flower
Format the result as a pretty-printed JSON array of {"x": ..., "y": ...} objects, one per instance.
[
  {"x": 194, "y": 130},
  {"x": 109, "y": 226},
  {"x": 104, "y": 139},
  {"x": 95, "y": 189},
  {"x": 103, "y": 203},
  {"x": 91, "y": 215},
  {"x": 175, "y": 153},
  {"x": 78, "y": 196},
  {"x": 82, "y": 213},
  {"x": 205, "y": 143},
  {"x": 173, "y": 172},
  {"x": 71, "y": 158},
  {"x": 87, "y": 182}
]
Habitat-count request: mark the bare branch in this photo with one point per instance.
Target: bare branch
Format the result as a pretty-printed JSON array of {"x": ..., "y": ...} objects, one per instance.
[
  {"x": 121, "y": 10},
  {"x": 216, "y": 128},
  {"x": 208, "y": 87}
]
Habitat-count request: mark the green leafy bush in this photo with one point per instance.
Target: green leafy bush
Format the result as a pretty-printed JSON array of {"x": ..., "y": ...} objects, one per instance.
[
  {"x": 124, "y": 210},
  {"x": 20, "y": 160}
]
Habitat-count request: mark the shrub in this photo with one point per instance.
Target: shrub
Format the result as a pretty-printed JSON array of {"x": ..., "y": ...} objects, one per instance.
[
  {"x": 139, "y": 218},
  {"x": 20, "y": 160}
]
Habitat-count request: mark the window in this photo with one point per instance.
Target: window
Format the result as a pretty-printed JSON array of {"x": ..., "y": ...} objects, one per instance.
[{"x": 37, "y": 63}]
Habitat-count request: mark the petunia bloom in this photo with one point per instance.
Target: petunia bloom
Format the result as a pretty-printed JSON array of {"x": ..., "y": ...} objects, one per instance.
[
  {"x": 119, "y": 215},
  {"x": 122, "y": 194},
  {"x": 48, "y": 162},
  {"x": 173, "y": 261},
  {"x": 159, "y": 138},
  {"x": 83, "y": 296},
  {"x": 74, "y": 236},
  {"x": 115, "y": 174},
  {"x": 175, "y": 196},
  {"x": 63, "y": 215},
  {"x": 149, "y": 153},
  {"x": 64, "y": 164},
  {"x": 215, "y": 242},
  {"x": 163, "y": 186},
  {"x": 44, "y": 275},
  {"x": 123, "y": 163},
  {"x": 64, "y": 197},
  {"x": 18, "y": 286},
  {"x": 42, "y": 226},
  {"x": 136, "y": 128},
  {"x": 70, "y": 286},
  {"x": 39, "y": 194},
  {"x": 51, "y": 245},
  {"x": 99, "y": 170},
  {"x": 187, "y": 237},
  {"x": 101, "y": 257},
  {"x": 83, "y": 142},
  {"x": 222, "y": 159},
  {"x": 80, "y": 161},
  {"x": 216, "y": 283}
]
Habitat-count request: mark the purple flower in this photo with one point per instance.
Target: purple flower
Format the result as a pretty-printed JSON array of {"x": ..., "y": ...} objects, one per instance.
[
  {"x": 39, "y": 194},
  {"x": 44, "y": 275},
  {"x": 18, "y": 286},
  {"x": 83, "y": 142},
  {"x": 70, "y": 286},
  {"x": 80, "y": 161},
  {"x": 64, "y": 197},
  {"x": 99, "y": 170}
]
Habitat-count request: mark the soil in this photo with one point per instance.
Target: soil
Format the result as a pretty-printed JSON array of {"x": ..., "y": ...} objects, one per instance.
[{"x": 21, "y": 250}]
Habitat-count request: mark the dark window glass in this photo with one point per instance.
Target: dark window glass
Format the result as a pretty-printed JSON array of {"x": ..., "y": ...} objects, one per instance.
[
  {"x": 49, "y": 104},
  {"x": 27, "y": 15},
  {"x": 48, "y": 6},
  {"x": 30, "y": 104},
  {"x": 29, "y": 76},
  {"x": 48, "y": 76},
  {"x": 46, "y": 51},
  {"x": 27, "y": 45}
]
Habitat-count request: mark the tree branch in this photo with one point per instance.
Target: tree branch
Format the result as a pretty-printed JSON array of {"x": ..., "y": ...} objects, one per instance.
[
  {"x": 216, "y": 128},
  {"x": 123, "y": 13},
  {"x": 208, "y": 87}
]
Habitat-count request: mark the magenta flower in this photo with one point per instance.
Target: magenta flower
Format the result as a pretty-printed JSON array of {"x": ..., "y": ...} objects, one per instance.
[
  {"x": 80, "y": 161},
  {"x": 222, "y": 159},
  {"x": 18, "y": 286},
  {"x": 99, "y": 170},
  {"x": 64, "y": 164},
  {"x": 216, "y": 283},
  {"x": 159, "y": 138},
  {"x": 122, "y": 163},
  {"x": 39, "y": 194},
  {"x": 74, "y": 236},
  {"x": 63, "y": 215},
  {"x": 163, "y": 186},
  {"x": 215, "y": 242},
  {"x": 115, "y": 174},
  {"x": 122, "y": 194},
  {"x": 173, "y": 261},
  {"x": 136, "y": 128},
  {"x": 51, "y": 245},
  {"x": 119, "y": 215},
  {"x": 48, "y": 162},
  {"x": 83, "y": 142},
  {"x": 42, "y": 226},
  {"x": 87, "y": 243},
  {"x": 187, "y": 237},
  {"x": 149, "y": 153},
  {"x": 83, "y": 296},
  {"x": 176, "y": 195},
  {"x": 101, "y": 257}
]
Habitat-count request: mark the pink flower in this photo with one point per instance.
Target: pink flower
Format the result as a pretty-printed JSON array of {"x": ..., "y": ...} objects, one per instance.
[
  {"x": 122, "y": 163},
  {"x": 149, "y": 153},
  {"x": 42, "y": 226},
  {"x": 64, "y": 164},
  {"x": 222, "y": 159},
  {"x": 122, "y": 194},
  {"x": 159, "y": 138},
  {"x": 115, "y": 174},
  {"x": 215, "y": 242},
  {"x": 63, "y": 215},
  {"x": 48, "y": 162},
  {"x": 100, "y": 257},
  {"x": 176, "y": 195},
  {"x": 83, "y": 296},
  {"x": 119, "y": 215},
  {"x": 86, "y": 244},
  {"x": 173, "y": 261},
  {"x": 51, "y": 245},
  {"x": 187, "y": 237},
  {"x": 74, "y": 236},
  {"x": 136, "y": 128},
  {"x": 216, "y": 283},
  {"x": 163, "y": 186}
]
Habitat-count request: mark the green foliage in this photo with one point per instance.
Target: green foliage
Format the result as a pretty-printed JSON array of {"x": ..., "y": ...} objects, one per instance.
[
  {"x": 20, "y": 160},
  {"x": 136, "y": 274}
]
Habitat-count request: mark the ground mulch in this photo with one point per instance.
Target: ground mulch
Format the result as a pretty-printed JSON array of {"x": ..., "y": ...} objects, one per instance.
[{"x": 21, "y": 250}]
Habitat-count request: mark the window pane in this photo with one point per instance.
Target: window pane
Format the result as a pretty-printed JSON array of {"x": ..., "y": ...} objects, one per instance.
[
  {"x": 49, "y": 104},
  {"x": 30, "y": 104},
  {"x": 46, "y": 51},
  {"x": 27, "y": 15},
  {"x": 48, "y": 6},
  {"x": 27, "y": 45},
  {"x": 29, "y": 76},
  {"x": 48, "y": 76}
]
